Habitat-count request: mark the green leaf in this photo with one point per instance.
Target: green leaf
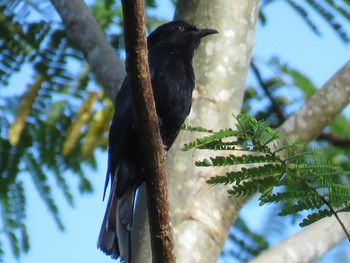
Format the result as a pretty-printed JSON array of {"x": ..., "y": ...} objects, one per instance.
[
  {"x": 41, "y": 182},
  {"x": 260, "y": 160},
  {"x": 314, "y": 217},
  {"x": 247, "y": 188},
  {"x": 302, "y": 205}
]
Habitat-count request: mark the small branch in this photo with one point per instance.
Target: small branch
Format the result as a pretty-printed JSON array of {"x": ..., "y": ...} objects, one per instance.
[
  {"x": 147, "y": 125},
  {"x": 83, "y": 30},
  {"x": 335, "y": 140},
  {"x": 275, "y": 106}
]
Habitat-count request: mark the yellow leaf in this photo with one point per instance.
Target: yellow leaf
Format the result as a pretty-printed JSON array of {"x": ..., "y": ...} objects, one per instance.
[
  {"x": 98, "y": 127},
  {"x": 25, "y": 108},
  {"x": 82, "y": 117}
]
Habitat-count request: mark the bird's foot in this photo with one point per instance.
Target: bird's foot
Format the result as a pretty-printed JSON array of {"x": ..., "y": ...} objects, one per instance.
[
  {"x": 159, "y": 122},
  {"x": 165, "y": 156}
]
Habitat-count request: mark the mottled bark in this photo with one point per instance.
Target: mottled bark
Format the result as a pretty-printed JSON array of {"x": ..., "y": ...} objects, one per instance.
[
  {"x": 309, "y": 244},
  {"x": 202, "y": 215},
  {"x": 306, "y": 124},
  {"x": 196, "y": 207}
]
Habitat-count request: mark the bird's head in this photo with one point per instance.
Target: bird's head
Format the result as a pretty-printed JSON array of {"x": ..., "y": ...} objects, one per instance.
[{"x": 178, "y": 34}]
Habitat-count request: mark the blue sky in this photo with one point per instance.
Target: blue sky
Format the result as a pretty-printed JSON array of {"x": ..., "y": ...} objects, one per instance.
[{"x": 285, "y": 35}]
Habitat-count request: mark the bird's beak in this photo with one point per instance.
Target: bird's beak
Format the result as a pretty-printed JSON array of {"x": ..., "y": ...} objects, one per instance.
[{"x": 206, "y": 31}]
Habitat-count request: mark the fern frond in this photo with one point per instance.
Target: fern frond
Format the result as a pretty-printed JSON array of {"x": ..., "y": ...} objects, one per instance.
[
  {"x": 246, "y": 173},
  {"x": 338, "y": 193},
  {"x": 219, "y": 146},
  {"x": 302, "y": 205},
  {"x": 312, "y": 218},
  {"x": 285, "y": 196},
  {"x": 247, "y": 188},
  {"x": 346, "y": 208},
  {"x": 305, "y": 15},
  {"x": 278, "y": 168},
  {"x": 298, "y": 154},
  {"x": 246, "y": 244},
  {"x": 330, "y": 17},
  {"x": 41, "y": 182},
  {"x": 235, "y": 160},
  {"x": 190, "y": 128},
  {"x": 201, "y": 142}
]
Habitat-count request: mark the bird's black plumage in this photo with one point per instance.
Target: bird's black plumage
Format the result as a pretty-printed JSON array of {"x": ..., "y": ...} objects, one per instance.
[{"x": 170, "y": 52}]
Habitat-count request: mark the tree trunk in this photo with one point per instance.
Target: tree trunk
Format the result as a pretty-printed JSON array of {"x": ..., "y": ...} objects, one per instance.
[
  {"x": 226, "y": 56},
  {"x": 202, "y": 215}
]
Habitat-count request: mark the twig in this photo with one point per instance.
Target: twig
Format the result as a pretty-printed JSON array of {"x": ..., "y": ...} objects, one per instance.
[{"x": 275, "y": 105}]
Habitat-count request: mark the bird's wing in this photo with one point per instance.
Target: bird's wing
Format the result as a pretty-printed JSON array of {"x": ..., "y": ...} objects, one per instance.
[{"x": 120, "y": 126}]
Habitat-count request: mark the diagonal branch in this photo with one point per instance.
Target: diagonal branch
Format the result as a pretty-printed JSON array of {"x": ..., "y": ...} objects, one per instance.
[
  {"x": 321, "y": 108},
  {"x": 307, "y": 245},
  {"x": 304, "y": 126},
  {"x": 83, "y": 30},
  {"x": 147, "y": 125}
]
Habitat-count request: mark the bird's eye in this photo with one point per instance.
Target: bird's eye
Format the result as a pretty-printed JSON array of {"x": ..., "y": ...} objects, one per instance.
[{"x": 178, "y": 28}]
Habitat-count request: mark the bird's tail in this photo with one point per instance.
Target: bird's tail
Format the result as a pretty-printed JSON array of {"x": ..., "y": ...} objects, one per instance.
[{"x": 115, "y": 234}]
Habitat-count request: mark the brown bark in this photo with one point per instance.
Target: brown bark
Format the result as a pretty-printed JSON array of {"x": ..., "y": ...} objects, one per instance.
[{"x": 147, "y": 126}]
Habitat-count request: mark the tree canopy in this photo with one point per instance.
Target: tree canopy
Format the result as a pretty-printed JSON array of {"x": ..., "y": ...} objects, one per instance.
[{"x": 56, "y": 102}]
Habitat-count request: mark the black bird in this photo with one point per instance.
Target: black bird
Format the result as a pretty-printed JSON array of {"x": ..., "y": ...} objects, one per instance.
[{"x": 170, "y": 51}]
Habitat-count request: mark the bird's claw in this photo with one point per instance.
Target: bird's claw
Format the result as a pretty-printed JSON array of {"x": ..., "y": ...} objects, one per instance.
[{"x": 165, "y": 156}]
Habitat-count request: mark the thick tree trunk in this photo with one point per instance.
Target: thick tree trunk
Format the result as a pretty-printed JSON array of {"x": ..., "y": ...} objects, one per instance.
[{"x": 221, "y": 65}]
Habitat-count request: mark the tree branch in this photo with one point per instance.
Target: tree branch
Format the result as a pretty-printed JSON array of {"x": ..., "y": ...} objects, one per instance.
[
  {"x": 306, "y": 124},
  {"x": 307, "y": 245},
  {"x": 202, "y": 215},
  {"x": 335, "y": 139},
  {"x": 147, "y": 125},
  {"x": 83, "y": 30}
]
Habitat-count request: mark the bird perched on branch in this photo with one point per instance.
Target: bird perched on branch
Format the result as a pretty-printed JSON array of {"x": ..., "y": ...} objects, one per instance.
[{"x": 170, "y": 51}]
